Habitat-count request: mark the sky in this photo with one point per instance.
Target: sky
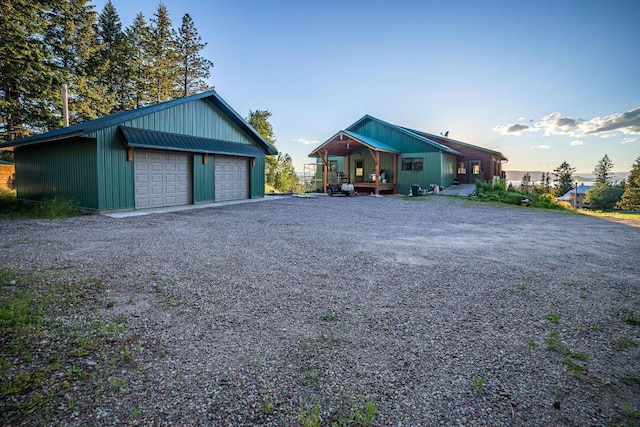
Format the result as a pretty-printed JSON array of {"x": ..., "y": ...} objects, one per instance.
[{"x": 542, "y": 82}]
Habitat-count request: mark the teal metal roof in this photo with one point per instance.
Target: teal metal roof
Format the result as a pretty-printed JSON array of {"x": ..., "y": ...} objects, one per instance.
[
  {"x": 143, "y": 138},
  {"x": 444, "y": 140},
  {"x": 371, "y": 142},
  {"x": 407, "y": 132},
  {"x": 84, "y": 128}
]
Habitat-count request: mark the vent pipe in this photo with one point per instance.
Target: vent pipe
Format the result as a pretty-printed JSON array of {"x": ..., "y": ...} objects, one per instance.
[{"x": 65, "y": 106}]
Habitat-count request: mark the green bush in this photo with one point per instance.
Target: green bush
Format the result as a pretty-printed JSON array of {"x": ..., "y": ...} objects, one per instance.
[
  {"x": 57, "y": 207},
  {"x": 498, "y": 193}
]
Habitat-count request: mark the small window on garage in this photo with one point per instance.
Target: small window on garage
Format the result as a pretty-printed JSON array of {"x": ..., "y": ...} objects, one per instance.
[{"x": 412, "y": 164}]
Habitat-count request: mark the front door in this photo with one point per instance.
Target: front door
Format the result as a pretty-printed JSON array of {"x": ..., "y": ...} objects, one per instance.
[{"x": 359, "y": 170}]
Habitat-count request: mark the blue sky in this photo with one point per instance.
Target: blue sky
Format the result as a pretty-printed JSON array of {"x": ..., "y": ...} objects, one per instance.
[{"x": 540, "y": 81}]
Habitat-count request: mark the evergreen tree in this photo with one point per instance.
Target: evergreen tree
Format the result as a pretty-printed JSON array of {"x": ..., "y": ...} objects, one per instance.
[
  {"x": 563, "y": 178},
  {"x": 26, "y": 86},
  {"x": 137, "y": 36},
  {"x": 114, "y": 58},
  {"x": 71, "y": 36},
  {"x": 163, "y": 58},
  {"x": 603, "y": 196},
  {"x": 286, "y": 179},
  {"x": 602, "y": 171},
  {"x": 194, "y": 70},
  {"x": 631, "y": 198},
  {"x": 525, "y": 184},
  {"x": 259, "y": 120}
]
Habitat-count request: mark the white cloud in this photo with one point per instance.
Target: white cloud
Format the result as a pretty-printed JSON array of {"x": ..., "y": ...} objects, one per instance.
[
  {"x": 540, "y": 147},
  {"x": 522, "y": 119},
  {"x": 556, "y": 124},
  {"x": 514, "y": 129},
  {"x": 576, "y": 143},
  {"x": 628, "y": 140},
  {"x": 608, "y": 135},
  {"x": 307, "y": 141}
]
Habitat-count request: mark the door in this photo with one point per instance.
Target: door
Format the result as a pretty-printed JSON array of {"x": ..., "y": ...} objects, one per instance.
[
  {"x": 231, "y": 178},
  {"x": 359, "y": 170},
  {"x": 161, "y": 178}
]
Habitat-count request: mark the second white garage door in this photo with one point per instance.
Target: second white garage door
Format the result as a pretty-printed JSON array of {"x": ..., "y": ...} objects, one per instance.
[
  {"x": 231, "y": 178},
  {"x": 161, "y": 178}
]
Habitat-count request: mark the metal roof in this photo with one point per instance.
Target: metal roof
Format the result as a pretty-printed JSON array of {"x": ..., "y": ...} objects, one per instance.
[
  {"x": 444, "y": 140},
  {"x": 115, "y": 119},
  {"x": 344, "y": 142},
  {"x": 408, "y": 132},
  {"x": 582, "y": 189},
  {"x": 143, "y": 138}
]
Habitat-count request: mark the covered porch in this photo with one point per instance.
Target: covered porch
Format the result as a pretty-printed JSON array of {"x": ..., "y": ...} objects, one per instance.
[{"x": 370, "y": 165}]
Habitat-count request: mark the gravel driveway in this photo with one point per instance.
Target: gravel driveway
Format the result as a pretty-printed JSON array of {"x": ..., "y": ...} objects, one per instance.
[{"x": 442, "y": 311}]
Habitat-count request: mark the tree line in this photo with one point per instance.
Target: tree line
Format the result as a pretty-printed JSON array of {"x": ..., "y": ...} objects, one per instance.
[
  {"x": 604, "y": 194},
  {"x": 108, "y": 68}
]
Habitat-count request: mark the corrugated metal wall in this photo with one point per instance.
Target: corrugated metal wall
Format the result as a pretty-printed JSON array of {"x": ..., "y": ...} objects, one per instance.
[
  {"x": 256, "y": 175},
  {"x": 203, "y": 179},
  {"x": 430, "y": 173},
  {"x": 60, "y": 169}
]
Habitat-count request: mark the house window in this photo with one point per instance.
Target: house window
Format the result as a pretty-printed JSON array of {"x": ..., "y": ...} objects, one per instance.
[
  {"x": 462, "y": 169},
  {"x": 333, "y": 165},
  {"x": 475, "y": 167},
  {"x": 412, "y": 164}
]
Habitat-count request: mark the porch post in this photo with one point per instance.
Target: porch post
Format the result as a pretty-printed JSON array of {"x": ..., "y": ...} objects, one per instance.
[
  {"x": 395, "y": 172},
  {"x": 347, "y": 166},
  {"x": 325, "y": 179},
  {"x": 377, "y": 160}
]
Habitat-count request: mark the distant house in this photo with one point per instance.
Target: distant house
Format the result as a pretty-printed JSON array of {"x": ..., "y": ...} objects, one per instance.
[
  {"x": 190, "y": 150},
  {"x": 377, "y": 156},
  {"x": 570, "y": 196}
]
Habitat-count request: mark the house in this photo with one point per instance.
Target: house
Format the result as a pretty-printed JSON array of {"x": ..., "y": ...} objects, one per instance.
[
  {"x": 186, "y": 151},
  {"x": 377, "y": 156},
  {"x": 570, "y": 196}
]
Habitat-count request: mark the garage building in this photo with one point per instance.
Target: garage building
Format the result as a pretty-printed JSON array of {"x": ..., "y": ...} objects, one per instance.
[{"x": 190, "y": 150}]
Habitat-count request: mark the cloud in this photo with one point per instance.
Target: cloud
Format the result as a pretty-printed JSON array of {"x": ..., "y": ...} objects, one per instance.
[
  {"x": 514, "y": 129},
  {"x": 307, "y": 141},
  {"x": 576, "y": 143},
  {"x": 540, "y": 147},
  {"x": 628, "y": 140},
  {"x": 556, "y": 124}
]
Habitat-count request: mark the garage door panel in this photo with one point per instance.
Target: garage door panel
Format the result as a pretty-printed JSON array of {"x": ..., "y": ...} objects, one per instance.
[
  {"x": 231, "y": 178},
  {"x": 161, "y": 178}
]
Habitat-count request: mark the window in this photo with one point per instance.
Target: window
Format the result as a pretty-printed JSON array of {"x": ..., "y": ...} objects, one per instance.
[
  {"x": 333, "y": 165},
  {"x": 476, "y": 169},
  {"x": 412, "y": 164},
  {"x": 462, "y": 169}
]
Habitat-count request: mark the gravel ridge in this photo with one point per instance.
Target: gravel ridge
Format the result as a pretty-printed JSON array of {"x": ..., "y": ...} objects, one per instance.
[{"x": 440, "y": 311}]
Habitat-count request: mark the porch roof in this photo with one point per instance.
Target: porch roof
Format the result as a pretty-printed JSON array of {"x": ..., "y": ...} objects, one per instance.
[{"x": 344, "y": 142}]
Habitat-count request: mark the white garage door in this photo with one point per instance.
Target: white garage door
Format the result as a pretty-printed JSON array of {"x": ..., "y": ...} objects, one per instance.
[
  {"x": 232, "y": 178},
  {"x": 161, "y": 178}
]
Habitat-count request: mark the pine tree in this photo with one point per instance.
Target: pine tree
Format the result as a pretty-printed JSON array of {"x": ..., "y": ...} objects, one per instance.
[
  {"x": 259, "y": 120},
  {"x": 563, "y": 178},
  {"x": 194, "y": 70},
  {"x": 114, "y": 58},
  {"x": 631, "y": 198},
  {"x": 137, "y": 36},
  {"x": 525, "y": 184},
  {"x": 26, "y": 86},
  {"x": 164, "y": 61},
  {"x": 602, "y": 171},
  {"x": 71, "y": 36}
]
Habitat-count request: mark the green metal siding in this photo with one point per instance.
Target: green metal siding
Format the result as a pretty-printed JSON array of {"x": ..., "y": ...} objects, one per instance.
[
  {"x": 386, "y": 164},
  {"x": 61, "y": 169},
  {"x": 203, "y": 176},
  {"x": 449, "y": 169},
  {"x": 256, "y": 175},
  {"x": 393, "y": 137},
  {"x": 430, "y": 173},
  {"x": 115, "y": 172}
]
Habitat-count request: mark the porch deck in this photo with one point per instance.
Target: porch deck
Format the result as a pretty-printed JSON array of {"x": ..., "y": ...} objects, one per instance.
[{"x": 370, "y": 187}]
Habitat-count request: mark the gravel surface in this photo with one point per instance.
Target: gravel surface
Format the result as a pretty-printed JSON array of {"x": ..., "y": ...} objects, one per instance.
[{"x": 441, "y": 311}]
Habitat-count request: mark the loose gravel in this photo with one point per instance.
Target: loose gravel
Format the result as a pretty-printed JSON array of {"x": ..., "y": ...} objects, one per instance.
[{"x": 442, "y": 311}]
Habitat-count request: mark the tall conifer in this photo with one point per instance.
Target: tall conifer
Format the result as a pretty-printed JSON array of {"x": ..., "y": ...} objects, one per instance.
[{"x": 194, "y": 70}]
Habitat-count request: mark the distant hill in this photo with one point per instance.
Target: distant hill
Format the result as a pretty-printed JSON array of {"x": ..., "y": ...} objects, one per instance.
[{"x": 582, "y": 177}]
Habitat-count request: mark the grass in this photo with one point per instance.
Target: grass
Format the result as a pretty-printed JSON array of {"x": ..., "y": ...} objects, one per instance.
[
  {"x": 570, "y": 357},
  {"x": 54, "y": 208},
  {"x": 631, "y": 317},
  {"x": 54, "y": 350},
  {"x": 478, "y": 383},
  {"x": 626, "y": 215},
  {"x": 554, "y": 317}
]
